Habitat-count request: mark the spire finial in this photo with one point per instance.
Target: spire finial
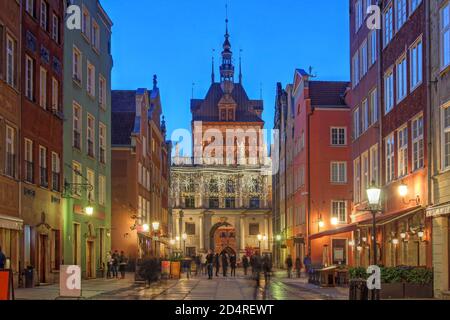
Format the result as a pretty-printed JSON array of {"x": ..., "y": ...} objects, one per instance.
[
  {"x": 226, "y": 17},
  {"x": 155, "y": 81},
  {"x": 212, "y": 67},
  {"x": 240, "y": 66}
]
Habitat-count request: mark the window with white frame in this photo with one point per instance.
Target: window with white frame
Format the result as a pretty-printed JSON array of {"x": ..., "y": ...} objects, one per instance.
[
  {"x": 413, "y": 4},
  {"x": 56, "y": 162},
  {"x": 365, "y": 115},
  {"x": 417, "y": 143},
  {"x": 390, "y": 152},
  {"x": 373, "y": 106},
  {"x": 374, "y": 166},
  {"x": 102, "y": 91},
  {"x": 86, "y": 23},
  {"x": 364, "y": 174},
  {"x": 446, "y": 137},
  {"x": 55, "y": 28},
  {"x": 364, "y": 59},
  {"x": 90, "y": 174},
  {"x": 356, "y": 124},
  {"x": 102, "y": 142},
  {"x": 43, "y": 88},
  {"x": 445, "y": 35},
  {"x": 338, "y": 136},
  {"x": 55, "y": 94},
  {"x": 91, "y": 79},
  {"x": 339, "y": 211},
  {"x": 29, "y": 78},
  {"x": 77, "y": 126},
  {"x": 77, "y": 65},
  {"x": 95, "y": 35},
  {"x": 44, "y": 15},
  {"x": 402, "y": 145},
  {"x": 373, "y": 46},
  {"x": 90, "y": 137},
  {"x": 29, "y": 7},
  {"x": 388, "y": 92},
  {"x": 402, "y": 83},
  {"x": 388, "y": 32},
  {"x": 355, "y": 73},
  {"x": 29, "y": 161},
  {"x": 11, "y": 69},
  {"x": 10, "y": 151},
  {"x": 359, "y": 15},
  {"x": 416, "y": 64},
  {"x": 102, "y": 190},
  {"x": 338, "y": 172},
  {"x": 43, "y": 173},
  {"x": 401, "y": 14},
  {"x": 77, "y": 177}
]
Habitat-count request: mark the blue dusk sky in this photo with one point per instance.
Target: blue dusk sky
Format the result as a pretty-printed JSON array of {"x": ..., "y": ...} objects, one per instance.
[{"x": 174, "y": 39}]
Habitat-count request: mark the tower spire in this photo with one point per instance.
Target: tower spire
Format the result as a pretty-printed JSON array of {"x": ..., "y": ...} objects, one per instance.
[
  {"x": 227, "y": 67},
  {"x": 213, "y": 76},
  {"x": 240, "y": 66}
]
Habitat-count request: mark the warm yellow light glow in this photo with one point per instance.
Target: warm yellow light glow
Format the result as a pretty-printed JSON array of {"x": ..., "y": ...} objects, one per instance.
[
  {"x": 177, "y": 238},
  {"x": 265, "y": 238},
  {"x": 334, "y": 221},
  {"x": 145, "y": 227},
  {"x": 321, "y": 224},
  {"x": 184, "y": 236},
  {"x": 395, "y": 241},
  {"x": 278, "y": 237},
  {"x": 403, "y": 190},
  {"x": 89, "y": 210},
  {"x": 155, "y": 226},
  {"x": 421, "y": 234},
  {"x": 172, "y": 242},
  {"x": 260, "y": 237},
  {"x": 359, "y": 248},
  {"x": 351, "y": 243},
  {"x": 403, "y": 235}
]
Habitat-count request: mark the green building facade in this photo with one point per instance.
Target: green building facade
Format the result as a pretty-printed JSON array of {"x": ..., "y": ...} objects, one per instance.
[{"x": 87, "y": 140}]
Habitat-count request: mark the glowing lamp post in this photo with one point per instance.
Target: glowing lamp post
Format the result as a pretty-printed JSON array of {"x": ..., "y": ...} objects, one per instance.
[{"x": 373, "y": 196}]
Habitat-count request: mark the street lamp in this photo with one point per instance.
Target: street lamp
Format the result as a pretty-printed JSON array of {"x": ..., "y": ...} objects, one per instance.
[
  {"x": 155, "y": 227},
  {"x": 260, "y": 237},
  {"x": 403, "y": 192},
  {"x": 145, "y": 227},
  {"x": 334, "y": 221},
  {"x": 184, "y": 236},
  {"x": 278, "y": 237},
  {"x": 373, "y": 196},
  {"x": 89, "y": 210}
]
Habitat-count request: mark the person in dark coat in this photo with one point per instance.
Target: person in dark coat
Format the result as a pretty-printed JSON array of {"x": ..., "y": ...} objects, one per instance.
[
  {"x": 257, "y": 267},
  {"x": 225, "y": 264},
  {"x": 115, "y": 264},
  {"x": 245, "y": 264},
  {"x": 307, "y": 263},
  {"x": 123, "y": 261},
  {"x": 233, "y": 263},
  {"x": 289, "y": 265},
  {"x": 209, "y": 264},
  {"x": 298, "y": 266},
  {"x": 217, "y": 264},
  {"x": 267, "y": 267}
]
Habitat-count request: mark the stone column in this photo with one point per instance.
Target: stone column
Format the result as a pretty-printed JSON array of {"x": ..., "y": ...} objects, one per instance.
[
  {"x": 440, "y": 254},
  {"x": 202, "y": 242},
  {"x": 237, "y": 226},
  {"x": 242, "y": 227},
  {"x": 266, "y": 232},
  {"x": 206, "y": 230}
]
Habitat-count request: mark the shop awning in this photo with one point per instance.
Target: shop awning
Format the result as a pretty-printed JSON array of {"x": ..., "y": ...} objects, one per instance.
[
  {"x": 386, "y": 219},
  {"x": 12, "y": 223},
  {"x": 344, "y": 229}
]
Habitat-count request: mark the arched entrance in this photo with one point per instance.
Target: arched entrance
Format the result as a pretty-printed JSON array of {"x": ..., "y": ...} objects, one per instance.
[{"x": 223, "y": 238}]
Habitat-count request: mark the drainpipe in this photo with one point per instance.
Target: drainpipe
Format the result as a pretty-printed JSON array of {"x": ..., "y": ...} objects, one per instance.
[{"x": 310, "y": 114}]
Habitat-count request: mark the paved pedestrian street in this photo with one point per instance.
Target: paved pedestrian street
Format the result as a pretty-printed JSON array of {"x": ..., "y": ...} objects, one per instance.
[{"x": 195, "y": 288}]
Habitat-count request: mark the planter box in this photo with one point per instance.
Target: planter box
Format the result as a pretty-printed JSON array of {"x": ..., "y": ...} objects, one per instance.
[
  {"x": 392, "y": 291},
  {"x": 418, "y": 291}
]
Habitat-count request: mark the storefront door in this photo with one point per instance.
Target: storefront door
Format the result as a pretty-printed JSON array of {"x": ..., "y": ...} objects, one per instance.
[
  {"x": 90, "y": 259},
  {"x": 43, "y": 241}
]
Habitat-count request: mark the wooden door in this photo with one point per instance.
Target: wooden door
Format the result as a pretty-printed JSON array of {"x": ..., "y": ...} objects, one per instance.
[
  {"x": 89, "y": 259},
  {"x": 43, "y": 239}
]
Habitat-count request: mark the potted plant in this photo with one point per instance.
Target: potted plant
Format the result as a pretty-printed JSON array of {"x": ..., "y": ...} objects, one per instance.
[
  {"x": 419, "y": 283},
  {"x": 150, "y": 270},
  {"x": 392, "y": 283}
]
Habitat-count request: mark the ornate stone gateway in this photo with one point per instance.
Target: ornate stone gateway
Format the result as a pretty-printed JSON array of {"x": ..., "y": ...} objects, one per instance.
[{"x": 223, "y": 238}]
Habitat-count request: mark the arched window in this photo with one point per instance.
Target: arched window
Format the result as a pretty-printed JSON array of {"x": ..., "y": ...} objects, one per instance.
[{"x": 230, "y": 186}]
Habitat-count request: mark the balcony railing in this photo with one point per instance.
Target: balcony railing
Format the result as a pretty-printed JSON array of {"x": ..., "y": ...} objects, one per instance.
[
  {"x": 43, "y": 178},
  {"x": 56, "y": 185},
  {"x": 10, "y": 168},
  {"x": 90, "y": 145},
  {"x": 76, "y": 140},
  {"x": 29, "y": 171}
]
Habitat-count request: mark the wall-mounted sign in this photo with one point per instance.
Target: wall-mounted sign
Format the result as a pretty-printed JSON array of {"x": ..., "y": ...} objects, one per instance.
[
  {"x": 70, "y": 282},
  {"x": 6, "y": 285}
]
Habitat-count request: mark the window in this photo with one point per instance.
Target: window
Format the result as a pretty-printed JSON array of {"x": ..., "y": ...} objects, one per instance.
[
  {"x": 254, "y": 203},
  {"x": 359, "y": 15},
  {"x": 388, "y": 27},
  {"x": 86, "y": 23},
  {"x": 364, "y": 59},
  {"x": 338, "y": 172},
  {"x": 29, "y": 177},
  {"x": 44, "y": 15},
  {"x": 390, "y": 168},
  {"x": 357, "y": 180},
  {"x": 416, "y": 64},
  {"x": 401, "y": 13},
  {"x": 102, "y": 142},
  {"x": 90, "y": 135},
  {"x": 190, "y": 228},
  {"x": 388, "y": 92},
  {"x": 29, "y": 78},
  {"x": 43, "y": 173},
  {"x": 55, "y": 28},
  {"x": 29, "y": 7},
  {"x": 339, "y": 211},
  {"x": 43, "y": 88},
  {"x": 102, "y": 92},
  {"x": 374, "y": 167},
  {"x": 95, "y": 35},
  {"x": 11, "y": 70},
  {"x": 445, "y": 36},
  {"x": 55, "y": 249},
  {"x": 91, "y": 180},
  {"x": 373, "y": 106},
  {"x": 214, "y": 203},
  {"x": 355, "y": 73},
  {"x": 413, "y": 4},
  {"x": 417, "y": 143},
  {"x": 338, "y": 136},
  {"x": 365, "y": 115},
  {"x": 230, "y": 186},
  {"x": 365, "y": 174},
  {"x": 77, "y": 121},
  {"x": 55, "y": 172},
  {"x": 55, "y": 94},
  {"x": 189, "y": 202},
  {"x": 401, "y": 79},
  {"x": 213, "y": 186},
  {"x": 91, "y": 80},
  {"x": 140, "y": 180},
  {"x": 402, "y": 143},
  {"x": 446, "y": 137},
  {"x": 253, "y": 229},
  {"x": 76, "y": 64},
  {"x": 373, "y": 46},
  {"x": 356, "y": 124},
  {"x": 77, "y": 177},
  {"x": 10, "y": 151}
]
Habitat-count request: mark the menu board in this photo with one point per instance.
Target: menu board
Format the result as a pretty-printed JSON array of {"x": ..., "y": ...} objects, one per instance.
[
  {"x": 165, "y": 268},
  {"x": 175, "y": 269}
]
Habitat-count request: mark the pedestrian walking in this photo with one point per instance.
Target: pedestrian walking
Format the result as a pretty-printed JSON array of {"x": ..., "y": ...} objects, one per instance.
[
  {"x": 2, "y": 259},
  {"x": 210, "y": 261},
  {"x": 203, "y": 263},
  {"x": 267, "y": 267},
  {"x": 233, "y": 263},
  {"x": 217, "y": 264},
  {"x": 109, "y": 265},
  {"x": 115, "y": 264},
  {"x": 307, "y": 263},
  {"x": 257, "y": 267},
  {"x": 298, "y": 266},
  {"x": 225, "y": 264},
  {"x": 123, "y": 261},
  {"x": 289, "y": 264},
  {"x": 245, "y": 264}
]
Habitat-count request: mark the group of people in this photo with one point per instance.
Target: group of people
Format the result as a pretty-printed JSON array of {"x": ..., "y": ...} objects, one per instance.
[
  {"x": 298, "y": 265},
  {"x": 217, "y": 261},
  {"x": 116, "y": 263}
]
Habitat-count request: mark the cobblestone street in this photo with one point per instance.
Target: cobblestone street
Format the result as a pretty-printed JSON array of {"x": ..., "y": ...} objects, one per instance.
[{"x": 196, "y": 288}]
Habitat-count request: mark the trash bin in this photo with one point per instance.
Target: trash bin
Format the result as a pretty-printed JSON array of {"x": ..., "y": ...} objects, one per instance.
[
  {"x": 29, "y": 277},
  {"x": 358, "y": 290}
]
